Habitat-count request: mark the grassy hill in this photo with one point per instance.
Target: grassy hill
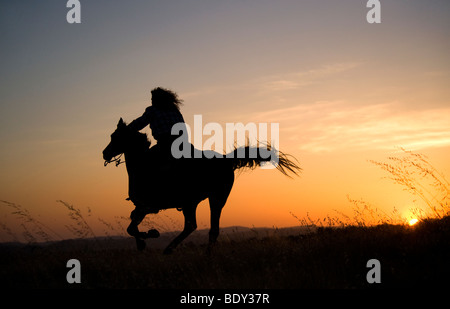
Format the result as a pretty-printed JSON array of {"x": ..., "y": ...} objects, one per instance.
[{"x": 415, "y": 256}]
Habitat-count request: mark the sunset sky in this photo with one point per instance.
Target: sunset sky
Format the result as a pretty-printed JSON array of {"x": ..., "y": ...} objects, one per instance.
[{"x": 343, "y": 92}]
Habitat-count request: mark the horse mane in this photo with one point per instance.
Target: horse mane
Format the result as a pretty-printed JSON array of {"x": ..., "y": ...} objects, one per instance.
[
  {"x": 144, "y": 138},
  {"x": 140, "y": 137}
]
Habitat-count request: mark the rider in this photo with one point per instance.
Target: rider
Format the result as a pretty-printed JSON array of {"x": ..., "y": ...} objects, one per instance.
[{"x": 161, "y": 116}]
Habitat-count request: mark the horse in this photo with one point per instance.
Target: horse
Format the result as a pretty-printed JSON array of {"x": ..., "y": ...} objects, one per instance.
[{"x": 157, "y": 183}]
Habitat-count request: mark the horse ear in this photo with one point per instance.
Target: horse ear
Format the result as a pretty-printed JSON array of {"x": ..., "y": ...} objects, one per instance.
[{"x": 121, "y": 123}]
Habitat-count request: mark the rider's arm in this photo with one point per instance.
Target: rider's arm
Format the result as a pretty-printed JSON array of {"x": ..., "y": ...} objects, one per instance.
[{"x": 140, "y": 123}]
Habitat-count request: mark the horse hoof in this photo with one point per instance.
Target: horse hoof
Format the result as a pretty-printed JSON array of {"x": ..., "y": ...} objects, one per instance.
[
  {"x": 153, "y": 233},
  {"x": 140, "y": 244}
]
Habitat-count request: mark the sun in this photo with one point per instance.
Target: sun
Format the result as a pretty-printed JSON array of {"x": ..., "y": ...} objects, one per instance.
[{"x": 413, "y": 221}]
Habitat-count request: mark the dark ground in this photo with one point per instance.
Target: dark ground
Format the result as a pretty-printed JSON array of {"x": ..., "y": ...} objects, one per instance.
[{"x": 329, "y": 258}]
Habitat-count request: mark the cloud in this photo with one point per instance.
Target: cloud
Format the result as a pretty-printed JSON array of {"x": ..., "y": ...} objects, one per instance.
[
  {"x": 271, "y": 84},
  {"x": 300, "y": 79},
  {"x": 336, "y": 125},
  {"x": 329, "y": 125}
]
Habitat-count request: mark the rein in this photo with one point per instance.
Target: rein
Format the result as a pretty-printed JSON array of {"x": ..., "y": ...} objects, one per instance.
[{"x": 116, "y": 159}]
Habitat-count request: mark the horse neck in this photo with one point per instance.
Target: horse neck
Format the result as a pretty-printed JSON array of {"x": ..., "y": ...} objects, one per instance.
[{"x": 134, "y": 159}]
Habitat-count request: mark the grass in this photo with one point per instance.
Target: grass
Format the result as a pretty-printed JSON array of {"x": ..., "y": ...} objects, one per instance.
[
  {"x": 327, "y": 258},
  {"x": 415, "y": 173}
]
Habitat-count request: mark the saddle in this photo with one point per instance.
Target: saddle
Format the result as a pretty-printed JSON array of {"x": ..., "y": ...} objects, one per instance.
[{"x": 160, "y": 173}]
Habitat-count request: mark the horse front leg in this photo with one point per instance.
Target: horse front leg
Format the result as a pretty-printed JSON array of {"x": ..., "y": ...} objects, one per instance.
[{"x": 136, "y": 218}]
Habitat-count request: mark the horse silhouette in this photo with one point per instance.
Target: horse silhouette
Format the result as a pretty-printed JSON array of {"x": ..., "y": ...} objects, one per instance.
[{"x": 160, "y": 183}]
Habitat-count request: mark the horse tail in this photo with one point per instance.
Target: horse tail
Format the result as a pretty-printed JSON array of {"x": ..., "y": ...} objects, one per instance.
[{"x": 252, "y": 157}]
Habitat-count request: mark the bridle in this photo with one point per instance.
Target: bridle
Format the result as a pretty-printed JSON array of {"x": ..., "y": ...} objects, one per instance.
[{"x": 116, "y": 159}]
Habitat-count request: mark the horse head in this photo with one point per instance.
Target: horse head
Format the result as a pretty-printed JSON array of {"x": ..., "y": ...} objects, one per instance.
[{"x": 124, "y": 139}]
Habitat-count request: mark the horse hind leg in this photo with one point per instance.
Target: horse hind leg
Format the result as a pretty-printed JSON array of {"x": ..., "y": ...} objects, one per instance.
[
  {"x": 216, "y": 203},
  {"x": 190, "y": 225}
]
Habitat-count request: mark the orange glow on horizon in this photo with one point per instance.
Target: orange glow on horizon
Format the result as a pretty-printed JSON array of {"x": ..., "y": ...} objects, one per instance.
[{"x": 413, "y": 222}]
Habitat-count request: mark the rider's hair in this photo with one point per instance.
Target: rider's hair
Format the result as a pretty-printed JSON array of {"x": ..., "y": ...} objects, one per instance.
[{"x": 165, "y": 99}]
